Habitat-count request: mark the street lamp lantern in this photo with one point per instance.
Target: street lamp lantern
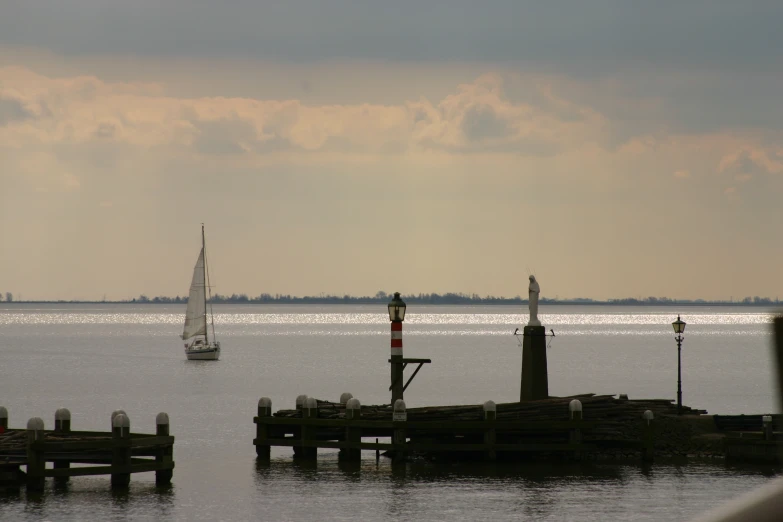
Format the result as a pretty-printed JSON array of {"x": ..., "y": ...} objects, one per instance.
[
  {"x": 679, "y": 328},
  {"x": 397, "y": 309},
  {"x": 679, "y": 325}
]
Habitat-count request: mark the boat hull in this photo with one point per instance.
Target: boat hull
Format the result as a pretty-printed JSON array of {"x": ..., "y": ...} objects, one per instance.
[{"x": 211, "y": 353}]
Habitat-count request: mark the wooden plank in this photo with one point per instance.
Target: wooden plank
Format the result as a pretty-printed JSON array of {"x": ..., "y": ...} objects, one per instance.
[
  {"x": 79, "y": 472},
  {"x": 80, "y": 457},
  {"x": 520, "y": 425},
  {"x": 95, "y": 434},
  {"x": 152, "y": 441},
  {"x": 151, "y": 466},
  {"x": 107, "y": 470},
  {"x": 328, "y": 444},
  {"x": 56, "y": 447},
  {"x": 753, "y": 442},
  {"x": 434, "y": 447}
]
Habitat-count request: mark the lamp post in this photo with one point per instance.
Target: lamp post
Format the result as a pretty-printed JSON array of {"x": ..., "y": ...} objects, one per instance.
[
  {"x": 396, "y": 316},
  {"x": 679, "y": 328}
]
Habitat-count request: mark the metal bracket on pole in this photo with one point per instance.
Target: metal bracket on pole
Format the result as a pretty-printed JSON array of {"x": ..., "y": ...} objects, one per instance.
[{"x": 405, "y": 363}]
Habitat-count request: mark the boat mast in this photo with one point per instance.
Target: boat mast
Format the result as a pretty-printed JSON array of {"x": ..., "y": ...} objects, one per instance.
[
  {"x": 204, "y": 279},
  {"x": 208, "y": 293}
]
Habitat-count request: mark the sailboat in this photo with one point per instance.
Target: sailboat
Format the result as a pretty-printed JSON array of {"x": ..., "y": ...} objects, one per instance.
[{"x": 200, "y": 347}]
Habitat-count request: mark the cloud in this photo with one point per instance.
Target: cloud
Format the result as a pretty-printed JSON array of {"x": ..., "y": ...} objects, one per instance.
[
  {"x": 224, "y": 136},
  {"x": 477, "y": 117},
  {"x": 748, "y": 163},
  {"x": 12, "y": 110},
  {"x": 105, "y": 130},
  {"x": 682, "y": 174}
]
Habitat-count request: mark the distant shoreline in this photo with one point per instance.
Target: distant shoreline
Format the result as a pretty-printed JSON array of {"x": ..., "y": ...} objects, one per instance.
[{"x": 416, "y": 301}]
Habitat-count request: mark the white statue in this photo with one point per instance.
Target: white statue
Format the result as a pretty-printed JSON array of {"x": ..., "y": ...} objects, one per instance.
[{"x": 532, "y": 295}]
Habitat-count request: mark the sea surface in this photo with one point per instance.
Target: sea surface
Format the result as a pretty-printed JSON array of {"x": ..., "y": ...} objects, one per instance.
[{"x": 94, "y": 359}]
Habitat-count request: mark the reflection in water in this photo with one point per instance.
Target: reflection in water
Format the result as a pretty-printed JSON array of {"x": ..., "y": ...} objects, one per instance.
[
  {"x": 305, "y": 470},
  {"x": 422, "y": 490},
  {"x": 398, "y": 499},
  {"x": 350, "y": 469},
  {"x": 119, "y": 498}
]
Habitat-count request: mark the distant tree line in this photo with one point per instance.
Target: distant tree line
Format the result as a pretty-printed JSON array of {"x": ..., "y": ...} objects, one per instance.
[{"x": 449, "y": 298}]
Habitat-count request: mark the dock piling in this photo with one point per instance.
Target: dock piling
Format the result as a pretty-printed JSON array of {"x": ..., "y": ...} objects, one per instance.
[
  {"x": 36, "y": 464},
  {"x": 353, "y": 434},
  {"x": 766, "y": 422},
  {"x": 490, "y": 435},
  {"x": 163, "y": 455},
  {"x": 3, "y": 419},
  {"x": 114, "y": 414},
  {"x": 575, "y": 435},
  {"x": 648, "y": 453},
  {"x": 62, "y": 420},
  {"x": 263, "y": 450},
  {"x": 121, "y": 451},
  {"x": 400, "y": 415},
  {"x": 300, "y": 400},
  {"x": 309, "y": 411},
  {"x": 62, "y": 424}
]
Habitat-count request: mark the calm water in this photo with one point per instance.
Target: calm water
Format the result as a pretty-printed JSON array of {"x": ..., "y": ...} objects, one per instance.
[{"x": 94, "y": 359}]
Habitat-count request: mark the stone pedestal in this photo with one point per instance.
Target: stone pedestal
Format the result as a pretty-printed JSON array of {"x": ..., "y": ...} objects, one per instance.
[{"x": 535, "y": 383}]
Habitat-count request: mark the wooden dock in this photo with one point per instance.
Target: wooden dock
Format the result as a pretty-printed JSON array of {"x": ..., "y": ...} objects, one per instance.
[
  {"x": 556, "y": 428},
  {"x": 117, "y": 453},
  {"x": 752, "y": 438}
]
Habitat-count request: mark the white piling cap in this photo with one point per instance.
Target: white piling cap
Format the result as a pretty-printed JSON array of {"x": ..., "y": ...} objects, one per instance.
[
  {"x": 399, "y": 405},
  {"x": 115, "y": 413},
  {"x": 648, "y": 415},
  {"x": 766, "y": 419},
  {"x": 311, "y": 403},
  {"x": 3, "y": 412},
  {"x": 345, "y": 397},
  {"x": 62, "y": 414},
  {"x": 120, "y": 421},
  {"x": 353, "y": 404},
  {"x": 300, "y": 400},
  {"x": 490, "y": 406},
  {"x": 264, "y": 402},
  {"x": 575, "y": 405},
  {"x": 35, "y": 424},
  {"x": 162, "y": 418}
]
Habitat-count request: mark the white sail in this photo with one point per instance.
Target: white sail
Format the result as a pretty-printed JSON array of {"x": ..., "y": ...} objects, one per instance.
[{"x": 195, "y": 316}]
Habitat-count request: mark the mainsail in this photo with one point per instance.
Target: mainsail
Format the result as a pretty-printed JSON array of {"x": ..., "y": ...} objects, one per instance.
[{"x": 195, "y": 315}]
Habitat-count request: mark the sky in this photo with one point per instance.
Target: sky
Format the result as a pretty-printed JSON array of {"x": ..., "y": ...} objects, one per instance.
[{"x": 613, "y": 148}]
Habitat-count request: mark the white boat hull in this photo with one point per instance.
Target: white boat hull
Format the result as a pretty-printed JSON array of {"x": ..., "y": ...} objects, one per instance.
[{"x": 203, "y": 353}]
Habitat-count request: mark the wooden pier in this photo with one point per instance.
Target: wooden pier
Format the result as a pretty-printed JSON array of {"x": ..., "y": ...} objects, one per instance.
[
  {"x": 571, "y": 428},
  {"x": 753, "y": 438},
  {"x": 117, "y": 453}
]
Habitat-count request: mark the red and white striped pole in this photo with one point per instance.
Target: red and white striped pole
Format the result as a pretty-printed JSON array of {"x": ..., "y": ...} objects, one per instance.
[
  {"x": 396, "y": 338},
  {"x": 397, "y": 316}
]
